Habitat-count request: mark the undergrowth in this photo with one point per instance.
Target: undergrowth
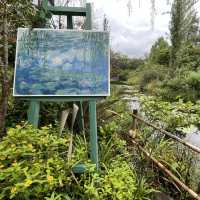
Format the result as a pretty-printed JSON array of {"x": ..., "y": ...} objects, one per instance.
[{"x": 34, "y": 165}]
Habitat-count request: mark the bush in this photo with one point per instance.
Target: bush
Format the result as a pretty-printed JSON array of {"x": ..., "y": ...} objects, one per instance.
[
  {"x": 34, "y": 165},
  {"x": 173, "y": 116},
  {"x": 117, "y": 183},
  {"x": 194, "y": 80},
  {"x": 188, "y": 57},
  {"x": 185, "y": 86},
  {"x": 154, "y": 73}
]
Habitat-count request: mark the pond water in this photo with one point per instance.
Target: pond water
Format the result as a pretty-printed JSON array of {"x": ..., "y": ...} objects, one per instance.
[
  {"x": 192, "y": 133},
  {"x": 193, "y": 136}
]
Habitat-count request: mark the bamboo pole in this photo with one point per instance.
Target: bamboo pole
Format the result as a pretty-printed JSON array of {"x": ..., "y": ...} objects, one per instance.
[
  {"x": 169, "y": 173},
  {"x": 194, "y": 148},
  {"x": 160, "y": 165}
]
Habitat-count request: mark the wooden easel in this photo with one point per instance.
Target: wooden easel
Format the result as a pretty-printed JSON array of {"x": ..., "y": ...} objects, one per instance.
[{"x": 34, "y": 107}]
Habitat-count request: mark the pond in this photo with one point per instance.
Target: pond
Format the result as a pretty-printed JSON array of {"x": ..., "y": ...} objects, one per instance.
[{"x": 193, "y": 136}]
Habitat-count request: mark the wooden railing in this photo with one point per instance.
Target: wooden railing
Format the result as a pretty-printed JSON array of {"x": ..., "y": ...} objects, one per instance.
[{"x": 154, "y": 160}]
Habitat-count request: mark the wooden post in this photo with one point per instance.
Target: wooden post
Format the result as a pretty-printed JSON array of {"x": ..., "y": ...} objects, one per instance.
[
  {"x": 92, "y": 104},
  {"x": 93, "y": 133},
  {"x": 135, "y": 106},
  {"x": 134, "y": 125},
  {"x": 69, "y": 22}
]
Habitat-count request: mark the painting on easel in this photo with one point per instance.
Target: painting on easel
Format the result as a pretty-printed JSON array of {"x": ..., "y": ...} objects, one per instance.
[{"x": 53, "y": 62}]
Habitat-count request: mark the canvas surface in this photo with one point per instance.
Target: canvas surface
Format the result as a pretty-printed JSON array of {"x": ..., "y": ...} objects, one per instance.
[{"x": 61, "y": 63}]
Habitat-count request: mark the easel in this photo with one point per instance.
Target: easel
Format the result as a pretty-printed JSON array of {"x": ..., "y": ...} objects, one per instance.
[{"x": 34, "y": 107}]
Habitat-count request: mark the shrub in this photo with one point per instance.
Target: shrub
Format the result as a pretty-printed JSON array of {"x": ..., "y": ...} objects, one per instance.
[
  {"x": 118, "y": 183},
  {"x": 34, "y": 165},
  {"x": 173, "y": 116}
]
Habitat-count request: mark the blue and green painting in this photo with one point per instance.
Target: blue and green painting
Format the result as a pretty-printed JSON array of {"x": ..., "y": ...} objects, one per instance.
[{"x": 61, "y": 63}]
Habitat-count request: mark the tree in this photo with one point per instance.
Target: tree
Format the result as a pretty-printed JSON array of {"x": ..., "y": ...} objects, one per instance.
[
  {"x": 13, "y": 14},
  {"x": 4, "y": 70},
  {"x": 159, "y": 53},
  {"x": 183, "y": 25},
  {"x": 188, "y": 58}
]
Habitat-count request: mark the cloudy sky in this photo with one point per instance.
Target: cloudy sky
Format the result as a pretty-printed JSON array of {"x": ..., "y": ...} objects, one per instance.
[{"x": 133, "y": 35}]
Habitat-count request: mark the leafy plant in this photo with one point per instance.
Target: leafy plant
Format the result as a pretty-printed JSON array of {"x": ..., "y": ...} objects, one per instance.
[
  {"x": 117, "y": 183},
  {"x": 55, "y": 196},
  {"x": 172, "y": 116},
  {"x": 34, "y": 163}
]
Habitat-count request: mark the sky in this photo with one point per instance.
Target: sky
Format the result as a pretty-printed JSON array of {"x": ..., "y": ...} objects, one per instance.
[{"x": 133, "y": 35}]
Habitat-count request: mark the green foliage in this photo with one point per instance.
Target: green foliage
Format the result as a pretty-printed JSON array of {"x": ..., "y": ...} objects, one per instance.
[
  {"x": 194, "y": 80},
  {"x": 183, "y": 26},
  {"x": 188, "y": 58},
  {"x": 150, "y": 75},
  {"x": 147, "y": 78},
  {"x": 143, "y": 190},
  {"x": 118, "y": 179},
  {"x": 173, "y": 116},
  {"x": 49, "y": 112},
  {"x": 117, "y": 183},
  {"x": 160, "y": 52},
  {"x": 55, "y": 196},
  {"x": 111, "y": 146},
  {"x": 123, "y": 75},
  {"x": 114, "y": 103},
  {"x": 174, "y": 156},
  {"x": 121, "y": 65},
  {"x": 119, "y": 60},
  {"x": 34, "y": 165},
  {"x": 162, "y": 81},
  {"x": 183, "y": 86}
]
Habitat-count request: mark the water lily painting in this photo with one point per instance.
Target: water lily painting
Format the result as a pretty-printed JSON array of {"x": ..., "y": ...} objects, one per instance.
[{"x": 53, "y": 62}]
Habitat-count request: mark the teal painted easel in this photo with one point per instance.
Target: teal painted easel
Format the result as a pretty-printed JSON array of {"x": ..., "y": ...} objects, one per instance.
[{"x": 34, "y": 107}]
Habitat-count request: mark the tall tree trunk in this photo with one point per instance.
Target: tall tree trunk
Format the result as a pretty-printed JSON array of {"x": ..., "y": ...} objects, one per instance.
[{"x": 4, "y": 76}]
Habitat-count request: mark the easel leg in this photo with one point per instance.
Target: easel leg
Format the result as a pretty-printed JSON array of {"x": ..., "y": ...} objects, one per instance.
[
  {"x": 33, "y": 113},
  {"x": 93, "y": 133}
]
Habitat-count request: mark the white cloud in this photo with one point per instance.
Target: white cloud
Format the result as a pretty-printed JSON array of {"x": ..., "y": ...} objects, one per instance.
[{"x": 133, "y": 35}]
